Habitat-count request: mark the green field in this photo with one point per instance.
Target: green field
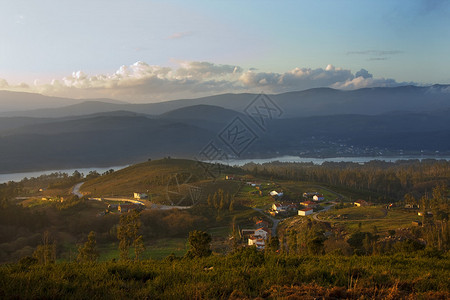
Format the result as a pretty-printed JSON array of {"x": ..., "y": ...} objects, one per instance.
[{"x": 369, "y": 217}]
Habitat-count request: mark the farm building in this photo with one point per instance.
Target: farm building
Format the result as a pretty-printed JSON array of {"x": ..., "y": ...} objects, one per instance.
[{"x": 305, "y": 212}]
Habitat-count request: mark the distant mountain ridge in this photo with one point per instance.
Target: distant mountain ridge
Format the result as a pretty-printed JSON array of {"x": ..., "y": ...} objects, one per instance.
[
  {"x": 15, "y": 102},
  {"x": 313, "y": 102}
]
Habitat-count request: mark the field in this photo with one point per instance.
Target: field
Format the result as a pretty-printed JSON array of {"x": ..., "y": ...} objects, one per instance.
[
  {"x": 243, "y": 274},
  {"x": 384, "y": 219}
]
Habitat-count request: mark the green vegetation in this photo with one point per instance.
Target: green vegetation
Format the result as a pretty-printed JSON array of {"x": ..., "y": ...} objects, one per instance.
[
  {"x": 245, "y": 273},
  {"x": 156, "y": 176},
  {"x": 374, "y": 250},
  {"x": 88, "y": 252}
]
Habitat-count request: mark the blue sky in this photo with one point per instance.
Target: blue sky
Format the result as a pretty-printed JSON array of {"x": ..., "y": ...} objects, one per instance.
[{"x": 172, "y": 49}]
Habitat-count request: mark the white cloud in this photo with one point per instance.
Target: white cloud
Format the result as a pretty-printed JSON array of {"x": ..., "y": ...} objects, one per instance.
[
  {"x": 361, "y": 82},
  {"x": 141, "y": 82},
  {"x": 296, "y": 79}
]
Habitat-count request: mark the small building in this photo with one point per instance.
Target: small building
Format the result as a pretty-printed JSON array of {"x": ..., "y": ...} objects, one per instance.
[
  {"x": 262, "y": 233},
  {"x": 247, "y": 232},
  {"x": 318, "y": 197},
  {"x": 360, "y": 203},
  {"x": 411, "y": 205},
  {"x": 309, "y": 204},
  {"x": 128, "y": 207},
  {"x": 421, "y": 213},
  {"x": 416, "y": 223},
  {"x": 279, "y": 207},
  {"x": 140, "y": 196},
  {"x": 258, "y": 242},
  {"x": 305, "y": 212},
  {"x": 262, "y": 224}
]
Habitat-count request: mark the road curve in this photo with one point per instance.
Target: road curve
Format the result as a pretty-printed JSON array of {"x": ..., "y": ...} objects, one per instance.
[
  {"x": 326, "y": 208},
  {"x": 76, "y": 189}
]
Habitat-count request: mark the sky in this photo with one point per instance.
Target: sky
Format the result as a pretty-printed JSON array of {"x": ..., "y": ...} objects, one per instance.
[{"x": 149, "y": 51}]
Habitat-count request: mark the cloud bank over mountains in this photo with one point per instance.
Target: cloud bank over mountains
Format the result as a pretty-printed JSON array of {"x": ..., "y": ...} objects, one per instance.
[{"x": 141, "y": 82}]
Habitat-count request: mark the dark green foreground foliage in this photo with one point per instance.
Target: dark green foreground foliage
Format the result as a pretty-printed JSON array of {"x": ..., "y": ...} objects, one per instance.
[{"x": 243, "y": 274}]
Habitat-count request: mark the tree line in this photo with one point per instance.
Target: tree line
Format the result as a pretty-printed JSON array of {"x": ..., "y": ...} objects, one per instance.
[{"x": 390, "y": 180}]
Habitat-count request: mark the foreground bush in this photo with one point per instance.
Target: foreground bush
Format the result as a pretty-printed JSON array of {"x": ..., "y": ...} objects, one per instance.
[{"x": 244, "y": 274}]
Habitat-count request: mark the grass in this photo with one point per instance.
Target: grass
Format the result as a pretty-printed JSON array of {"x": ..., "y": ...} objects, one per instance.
[
  {"x": 154, "y": 177},
  {"x": 251, "y": 196},
  {"x": 296, "y": 190},
  {"x": 33, "y": 202},
  {"x": 369, "y": 217},
  {"x": 162, "y": 248},
  {"x": 157, "y": 249}
]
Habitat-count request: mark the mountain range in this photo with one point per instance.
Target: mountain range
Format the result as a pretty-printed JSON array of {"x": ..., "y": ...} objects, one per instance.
[
  {"x": 315, "y": 122},
  {"x": 313, "y": 102}
]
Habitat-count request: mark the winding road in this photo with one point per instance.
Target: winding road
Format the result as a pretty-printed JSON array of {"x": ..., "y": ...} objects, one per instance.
[
  {"x": 76, "y": 189},
  {"x": 326, "y": 208}
]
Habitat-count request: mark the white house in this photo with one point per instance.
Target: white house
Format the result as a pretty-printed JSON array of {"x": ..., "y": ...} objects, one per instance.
[
  {"x": 279, "y": 207},
  {"x": 262, "y": 233},
  {"x": 258, "y": 242},
  {"x": 305, "y": 212},
  {"x": 318, "y": 198},
  {"x": 140, "y": 196}
]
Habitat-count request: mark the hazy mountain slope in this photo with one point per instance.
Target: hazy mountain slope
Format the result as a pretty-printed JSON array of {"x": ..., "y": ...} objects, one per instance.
[
  {"x": 408, "y": 131},
  {"x": 19, "y": 101},
  {"x": 108, "y": 146},
  {"x": 201, "y": 112},
  {"x": 368, "y": 101},
  {"x": 313, "y": 102},
  {"x": 123, "y": 137},
  {"x": 9, "y": 123},
  {"x": 12, "y": 125}
]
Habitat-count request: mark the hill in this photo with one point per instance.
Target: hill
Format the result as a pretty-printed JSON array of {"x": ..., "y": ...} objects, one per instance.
[{"x": 157, "y": 178}]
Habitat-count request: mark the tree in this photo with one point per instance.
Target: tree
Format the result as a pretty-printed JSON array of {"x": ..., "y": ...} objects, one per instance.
[
  {"x": 88, "y": 252},
  {"x": 235, "y": 235},
  {"x": 128, "y": 235},
  {"x": 199, "y": 242},
  {"x": 139, "y": 247},
  {"x": 45, "y": 253}
]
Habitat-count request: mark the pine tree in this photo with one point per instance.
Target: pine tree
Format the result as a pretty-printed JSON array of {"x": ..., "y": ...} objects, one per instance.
[
  {"x": 128, "y": 235},
  {"x": 139, "y": 247},
  {"x": 88, "y": 252},
  {"x": 45, "y": 253},
  {"x": 199, "y": 244}
]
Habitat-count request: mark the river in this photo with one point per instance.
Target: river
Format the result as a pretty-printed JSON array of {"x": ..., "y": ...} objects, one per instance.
[
  {"x": 233, "y": 162},
  {"x": 19, "y": 176},
  {"x": 319, "y": 161}
]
